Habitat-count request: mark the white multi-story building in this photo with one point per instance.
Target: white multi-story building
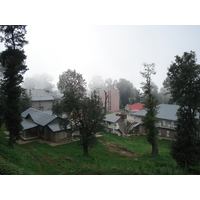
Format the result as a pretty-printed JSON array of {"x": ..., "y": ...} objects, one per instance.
[{"x": 166, "y": 120}]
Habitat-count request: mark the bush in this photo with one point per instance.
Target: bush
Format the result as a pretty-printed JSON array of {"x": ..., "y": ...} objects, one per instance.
[{"x": 7, "y": 168}]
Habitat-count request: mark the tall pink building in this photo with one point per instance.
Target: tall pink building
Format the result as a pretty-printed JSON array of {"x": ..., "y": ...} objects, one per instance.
[{"x": 112, "y": 100}]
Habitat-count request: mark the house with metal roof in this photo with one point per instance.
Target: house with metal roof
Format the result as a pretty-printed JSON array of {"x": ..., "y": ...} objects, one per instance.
[
  {"x": 116, "y": 123},
  {"x": 41, "y": 99},
  {"x": 166, "y": 120},
  {"x": 40, "y": 124}
]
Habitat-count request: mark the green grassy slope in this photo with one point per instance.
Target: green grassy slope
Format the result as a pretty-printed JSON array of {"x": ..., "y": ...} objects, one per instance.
[{"x": 35, "y": 158}]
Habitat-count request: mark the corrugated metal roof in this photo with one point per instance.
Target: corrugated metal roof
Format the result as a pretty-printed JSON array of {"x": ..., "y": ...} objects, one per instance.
[
  {"x": 39, "y": 117},
  {"x": 165, "y": 111},
  {"x": 136, "y": 107},
  {"x": 55, "y": 127},
  {"x": 49, "y": 98},
  {"x": 50, "y": 112},
  {"x": 40, "y": 95},
  {"x": 112, "y": 118},
  {"x": 29, "y": 110},
  {"x": 27, "y": 124}
]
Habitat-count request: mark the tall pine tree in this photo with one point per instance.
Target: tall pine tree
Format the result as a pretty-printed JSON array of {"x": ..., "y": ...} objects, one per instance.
[
  {"x": 13, "y": 63},
  {"x": 184, "y": 84},
  {"x": 150, "y": 102}
]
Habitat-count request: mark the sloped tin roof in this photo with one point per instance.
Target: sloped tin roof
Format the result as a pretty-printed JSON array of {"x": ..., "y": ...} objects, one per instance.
[
  {"x": 112, "y": 118},
  {"x": 165, "y": 111},
  {"x": 39, "y": 117},
  {"x": 27, "y": 124},
  {"x": 136, "y": 107},
  {"x": 40, "y": 95},
  {"x": 55, "y": 127}
]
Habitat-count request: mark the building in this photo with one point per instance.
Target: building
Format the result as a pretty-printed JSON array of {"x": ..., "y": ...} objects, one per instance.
[
  {"x": 134, "y": 107},
  {"x": 112, "y": 99},
  {"x": 40, "y": 99},
  {"x": 116, "y": 123},
  {"x": 44, "y": 125},
  {"x": 166, "y": 120}
]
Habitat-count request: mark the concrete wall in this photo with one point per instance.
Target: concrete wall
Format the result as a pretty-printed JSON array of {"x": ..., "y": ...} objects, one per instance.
[
  {"x": 42, "y": 105},
  {"x": 56, "y": 136},
  {"x": 62, "y": 136},
  {"x": 123, "y": 125},
  {"x": 162, "y": 132},
  {"x": 166, "y": 133},
  {"x": 30, "y": 133}
]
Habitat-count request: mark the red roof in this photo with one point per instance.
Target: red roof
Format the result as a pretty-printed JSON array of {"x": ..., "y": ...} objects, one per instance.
[{"x": 136, "y": 107}]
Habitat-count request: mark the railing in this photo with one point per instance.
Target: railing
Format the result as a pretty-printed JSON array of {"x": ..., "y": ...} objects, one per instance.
[{"x": 132, "y": 125}]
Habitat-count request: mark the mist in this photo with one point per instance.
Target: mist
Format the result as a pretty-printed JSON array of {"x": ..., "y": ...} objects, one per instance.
[{"x": 39, "y": 81}]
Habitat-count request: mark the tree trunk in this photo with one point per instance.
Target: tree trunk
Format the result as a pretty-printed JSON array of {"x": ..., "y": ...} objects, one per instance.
[
  {"x": 85, "y": 149},
  {"x": 11, "y": 140},
  {"x": 1, "y": 123},
  {"x": 154, "y": 148},
  {"x": 106, "y": 100}
]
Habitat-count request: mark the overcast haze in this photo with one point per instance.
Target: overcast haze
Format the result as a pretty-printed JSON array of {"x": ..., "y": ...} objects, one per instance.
[{"x": 108, "y": 51}]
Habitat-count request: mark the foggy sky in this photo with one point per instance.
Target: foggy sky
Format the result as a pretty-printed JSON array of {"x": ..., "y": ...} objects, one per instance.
[
  {"x": 57, "y": 42},
  {"x": 108, "y": 51}
]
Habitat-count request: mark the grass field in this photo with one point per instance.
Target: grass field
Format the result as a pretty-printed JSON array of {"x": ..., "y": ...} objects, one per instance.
[{"x": 42, "y": 159}]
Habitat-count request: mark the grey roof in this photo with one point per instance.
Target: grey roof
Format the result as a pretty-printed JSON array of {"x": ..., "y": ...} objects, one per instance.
[
  {"x": 27, "y": 124},
  {"x": 165, "y": 111},
  {"x": 57, "y": 95},
  {"x": 112, "y": 118},
  {"x": 55, "y": 127},
  {"x": 39, "y": 117},
  {"x": 50, "y": 112},
  {"x": 40, "y": 95}
]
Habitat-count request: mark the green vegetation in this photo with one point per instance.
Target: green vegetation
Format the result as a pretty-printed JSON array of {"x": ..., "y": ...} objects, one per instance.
[
  {"x": 150, "y": 104},
  {"x": 183, "y": 82},
  {"x": 84, "y": 114},
  {"x": 12, "y": 60},
  {"x": 36, "y": 158}
]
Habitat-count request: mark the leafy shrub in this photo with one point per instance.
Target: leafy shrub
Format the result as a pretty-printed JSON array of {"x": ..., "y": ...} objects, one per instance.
[{"x": 7, "y": 168}]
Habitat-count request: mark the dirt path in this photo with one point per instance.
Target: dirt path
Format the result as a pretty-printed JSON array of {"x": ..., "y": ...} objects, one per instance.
[
  {"x": 117, "y": 148},
  {"x": 43, "y": 141}
]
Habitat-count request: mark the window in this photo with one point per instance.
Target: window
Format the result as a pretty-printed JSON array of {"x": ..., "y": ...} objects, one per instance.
[
  {"x": 159, "y": 123},
  {"x": 163, "y": 123},
  {"x": 168, "y": 133}
]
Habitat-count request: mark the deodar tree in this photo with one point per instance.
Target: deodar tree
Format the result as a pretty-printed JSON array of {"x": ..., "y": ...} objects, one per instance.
[
  {"x": 126, "y": 91},
  {"x": 90, "y": 121},
  {"x": 84, "y": 114},
  {"x": 184, "y": 84},
  {"x": 150, "y": 120},
  {"x": 13, "y": 63}
]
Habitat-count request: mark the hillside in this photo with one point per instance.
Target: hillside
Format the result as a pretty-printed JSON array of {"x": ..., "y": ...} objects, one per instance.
[{"x": 112, "y": 155}]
